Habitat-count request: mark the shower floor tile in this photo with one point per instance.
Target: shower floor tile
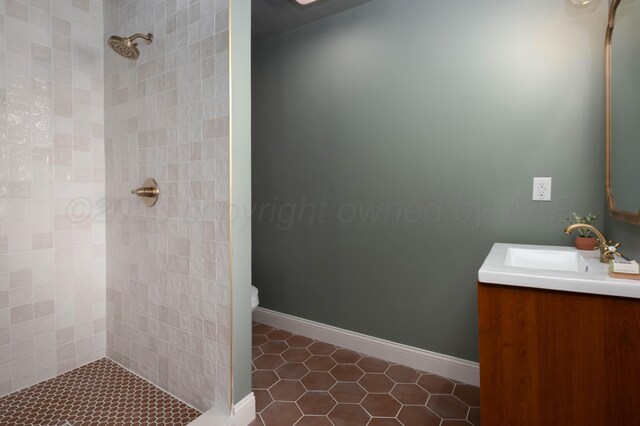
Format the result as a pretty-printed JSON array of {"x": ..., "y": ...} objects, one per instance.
[
  {"x": 303, "y": 382},
  {"x": 99, "y": 393}
]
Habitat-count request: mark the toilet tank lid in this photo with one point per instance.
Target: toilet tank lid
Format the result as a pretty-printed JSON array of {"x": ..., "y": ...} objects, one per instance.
[{"x": 254, "y": 291}]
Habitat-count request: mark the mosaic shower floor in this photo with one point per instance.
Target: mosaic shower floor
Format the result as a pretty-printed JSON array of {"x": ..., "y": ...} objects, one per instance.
[
  {"x": 101, "y": 393},
  {"x": 303, "y": 382}
]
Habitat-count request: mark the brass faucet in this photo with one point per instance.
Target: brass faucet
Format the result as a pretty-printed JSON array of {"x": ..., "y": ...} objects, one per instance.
[{"x": 607, "y": 248}]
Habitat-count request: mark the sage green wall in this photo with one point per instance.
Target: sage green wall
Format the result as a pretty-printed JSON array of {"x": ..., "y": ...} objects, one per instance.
[
  {"x": 449, "y": 108},
  {"x": 240, "y": 96}
]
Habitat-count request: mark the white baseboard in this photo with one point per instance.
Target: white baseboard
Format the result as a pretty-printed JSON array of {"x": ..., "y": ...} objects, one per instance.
[
  {"x": 244, "y": 412},
  {"x": 420, "y": 359}
]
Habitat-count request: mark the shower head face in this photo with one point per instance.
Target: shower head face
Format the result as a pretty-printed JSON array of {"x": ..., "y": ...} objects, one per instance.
[{"x": 124, "y": 47}]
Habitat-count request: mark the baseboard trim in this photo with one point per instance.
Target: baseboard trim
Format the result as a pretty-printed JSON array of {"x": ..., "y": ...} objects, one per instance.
[
  {"x": 244, "y": 412},
  {"x": 420, "y": 359}
]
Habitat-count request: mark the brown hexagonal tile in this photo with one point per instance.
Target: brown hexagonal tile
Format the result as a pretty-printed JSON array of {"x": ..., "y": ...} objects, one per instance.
[
  {"x": 474, "y": 416},
  {"x": 261, "y": 329},
  {"x": 348, "y": 392},
  {"x": 314, "y": 421},
  {"x": 375, "y": 382},
  {"x": 274, "y": 348},
  {"x": 454, "y": 423},
  {"x": 349, "y": 415},
  {"x": 296, "y": 341},
  {"x": 370, "y": 364},
  {"x": 263, "y": 379},
  {"x": 319, "y": 403},
  {"x": 321, "y": 348},
  {"x": 292, "y": 370},
  {"x": 378, "y": 421},
  {"x": 268, "y": 362},
  {"x": 258, "y": 339},
  {"x": 412, "y": 415},
  {"x": 278, "y": 335},
  {"x": 346, "y": 373},
  {"x": 255, "y": 352},
  {"x": 448, "y": 407},
  {"x": 287, "y": 390},
  {"x": 318, "y": 381},
  {"x": 410, "y": 394},
  {"x": 281, "y": 414},
  {"x": 296, "y": 355},
  {"x": 320, "y": 363},
  {"x": 345, "y": 356},
  {"x": 468, "y": 394},
  {"x": 263, "y": 399},
  {"x": 381, "y": 405},
  {"x": 402, "y": 374},
  {"x": 435, "y": 384}
]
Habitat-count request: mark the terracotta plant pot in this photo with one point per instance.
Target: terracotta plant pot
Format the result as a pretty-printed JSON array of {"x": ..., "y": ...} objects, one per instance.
[{"x": 586, "y": 243}]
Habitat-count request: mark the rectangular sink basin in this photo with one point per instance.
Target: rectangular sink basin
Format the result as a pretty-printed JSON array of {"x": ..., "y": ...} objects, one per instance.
[
  {"x": 550, "y": 260},
  {"x": 553, "y": 268}
]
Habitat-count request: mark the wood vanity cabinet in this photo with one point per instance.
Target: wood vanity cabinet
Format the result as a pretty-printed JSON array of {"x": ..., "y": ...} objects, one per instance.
[{"x": 552, "y": 358}]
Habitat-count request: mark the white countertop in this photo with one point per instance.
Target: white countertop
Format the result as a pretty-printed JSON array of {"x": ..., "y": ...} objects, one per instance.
[{"x": 595, "y": 281}]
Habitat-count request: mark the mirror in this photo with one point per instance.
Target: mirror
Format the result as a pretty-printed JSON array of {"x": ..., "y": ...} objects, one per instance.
[{"x": 622, "y": 174}]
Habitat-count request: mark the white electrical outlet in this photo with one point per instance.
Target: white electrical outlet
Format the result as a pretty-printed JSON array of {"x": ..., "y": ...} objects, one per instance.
[{"x": 541, "y": 189}]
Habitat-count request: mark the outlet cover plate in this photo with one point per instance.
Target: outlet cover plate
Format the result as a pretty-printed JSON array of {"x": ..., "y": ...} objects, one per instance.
[{"x": 541, "y": 189}]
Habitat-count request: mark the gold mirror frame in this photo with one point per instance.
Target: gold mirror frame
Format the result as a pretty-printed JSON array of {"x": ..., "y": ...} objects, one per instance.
[{"x": 613, "y": 210}]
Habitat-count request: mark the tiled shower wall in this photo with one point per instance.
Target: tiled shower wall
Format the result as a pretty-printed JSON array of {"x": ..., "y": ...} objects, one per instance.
[
  {"x": 168, "y": 296},
  {"x": 52, "y": 232}
]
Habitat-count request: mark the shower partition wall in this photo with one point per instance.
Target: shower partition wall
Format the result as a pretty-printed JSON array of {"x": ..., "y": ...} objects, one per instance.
[
  {"x": 52, "y": 249},
  {"x": 167, "y": 117}
]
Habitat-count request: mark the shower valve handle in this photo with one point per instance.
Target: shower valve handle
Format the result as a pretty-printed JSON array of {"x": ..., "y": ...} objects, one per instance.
[{"x": 149, "y": 192}]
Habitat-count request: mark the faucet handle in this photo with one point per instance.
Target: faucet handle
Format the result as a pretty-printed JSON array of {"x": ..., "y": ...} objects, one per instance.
[{"x": 609, "y": 249}]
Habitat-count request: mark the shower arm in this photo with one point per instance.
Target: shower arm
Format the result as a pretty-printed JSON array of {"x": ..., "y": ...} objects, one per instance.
[{"x": 148, "y": 38}]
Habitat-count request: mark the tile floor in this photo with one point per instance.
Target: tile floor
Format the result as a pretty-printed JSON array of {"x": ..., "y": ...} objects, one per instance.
[
  {"x": 302, "y": 382},
  {"x": 98, "y": 394}
]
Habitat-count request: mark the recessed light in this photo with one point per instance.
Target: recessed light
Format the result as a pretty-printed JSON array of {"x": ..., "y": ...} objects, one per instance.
[{"x": 305, "y": 1}]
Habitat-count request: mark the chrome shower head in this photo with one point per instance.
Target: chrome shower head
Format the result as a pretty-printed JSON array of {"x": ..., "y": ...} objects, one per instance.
[{"x": 125, "y": 47}]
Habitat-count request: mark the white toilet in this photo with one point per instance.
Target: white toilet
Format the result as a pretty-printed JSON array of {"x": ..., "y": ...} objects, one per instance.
[{"x": 254, "y": 298}]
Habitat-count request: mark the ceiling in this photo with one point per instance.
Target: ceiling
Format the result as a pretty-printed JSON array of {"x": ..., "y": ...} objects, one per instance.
[{"x": 271, "y": 17}]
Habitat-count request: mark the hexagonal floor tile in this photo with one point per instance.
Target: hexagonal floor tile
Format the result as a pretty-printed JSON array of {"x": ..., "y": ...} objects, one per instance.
[
  {"x": 402, "y": 374},
  {"x": 314, "y": 421},
  {"x": 274, "y": 348},
  {"x": 320, "y": 363},
  {"x": 411, "y": 415},
  {"x": 410, "y": 394},
  {"x": 319, "y": 403},
  {"x": 318, "y": 381},
  {"x": 321, "y": 348},
  {"x": 384, "y": 422},
  {"x": 448, "y": 407},
  {"x": 263, "y": 379},
  {"x": 268, "y": 362},
  {"x": 299, "y": 341},
  {"x": 346, "y": 372},
  {"x": 373, "y": 365},
  {"x": 278, "y": 335},
  {"x": 296, "y": 355},
  {"x": 292, "y": 370},
  {"x": 281, "y": 414},
  {"x": 349, "y": 415},
  {"x": 287, "y": 390},
  {"x": 468, "y": 394},
  {"x": 374, "y": 382},
  {"x": 435, "y": 384},
  {"x": 345, "y": 356},
  {"x": 348, "y": 392},
  {"x": 382, "y": 405}
]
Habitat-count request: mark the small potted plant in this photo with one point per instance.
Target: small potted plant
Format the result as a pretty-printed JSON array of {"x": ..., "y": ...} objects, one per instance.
[{"x": 585, "y": 240}]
